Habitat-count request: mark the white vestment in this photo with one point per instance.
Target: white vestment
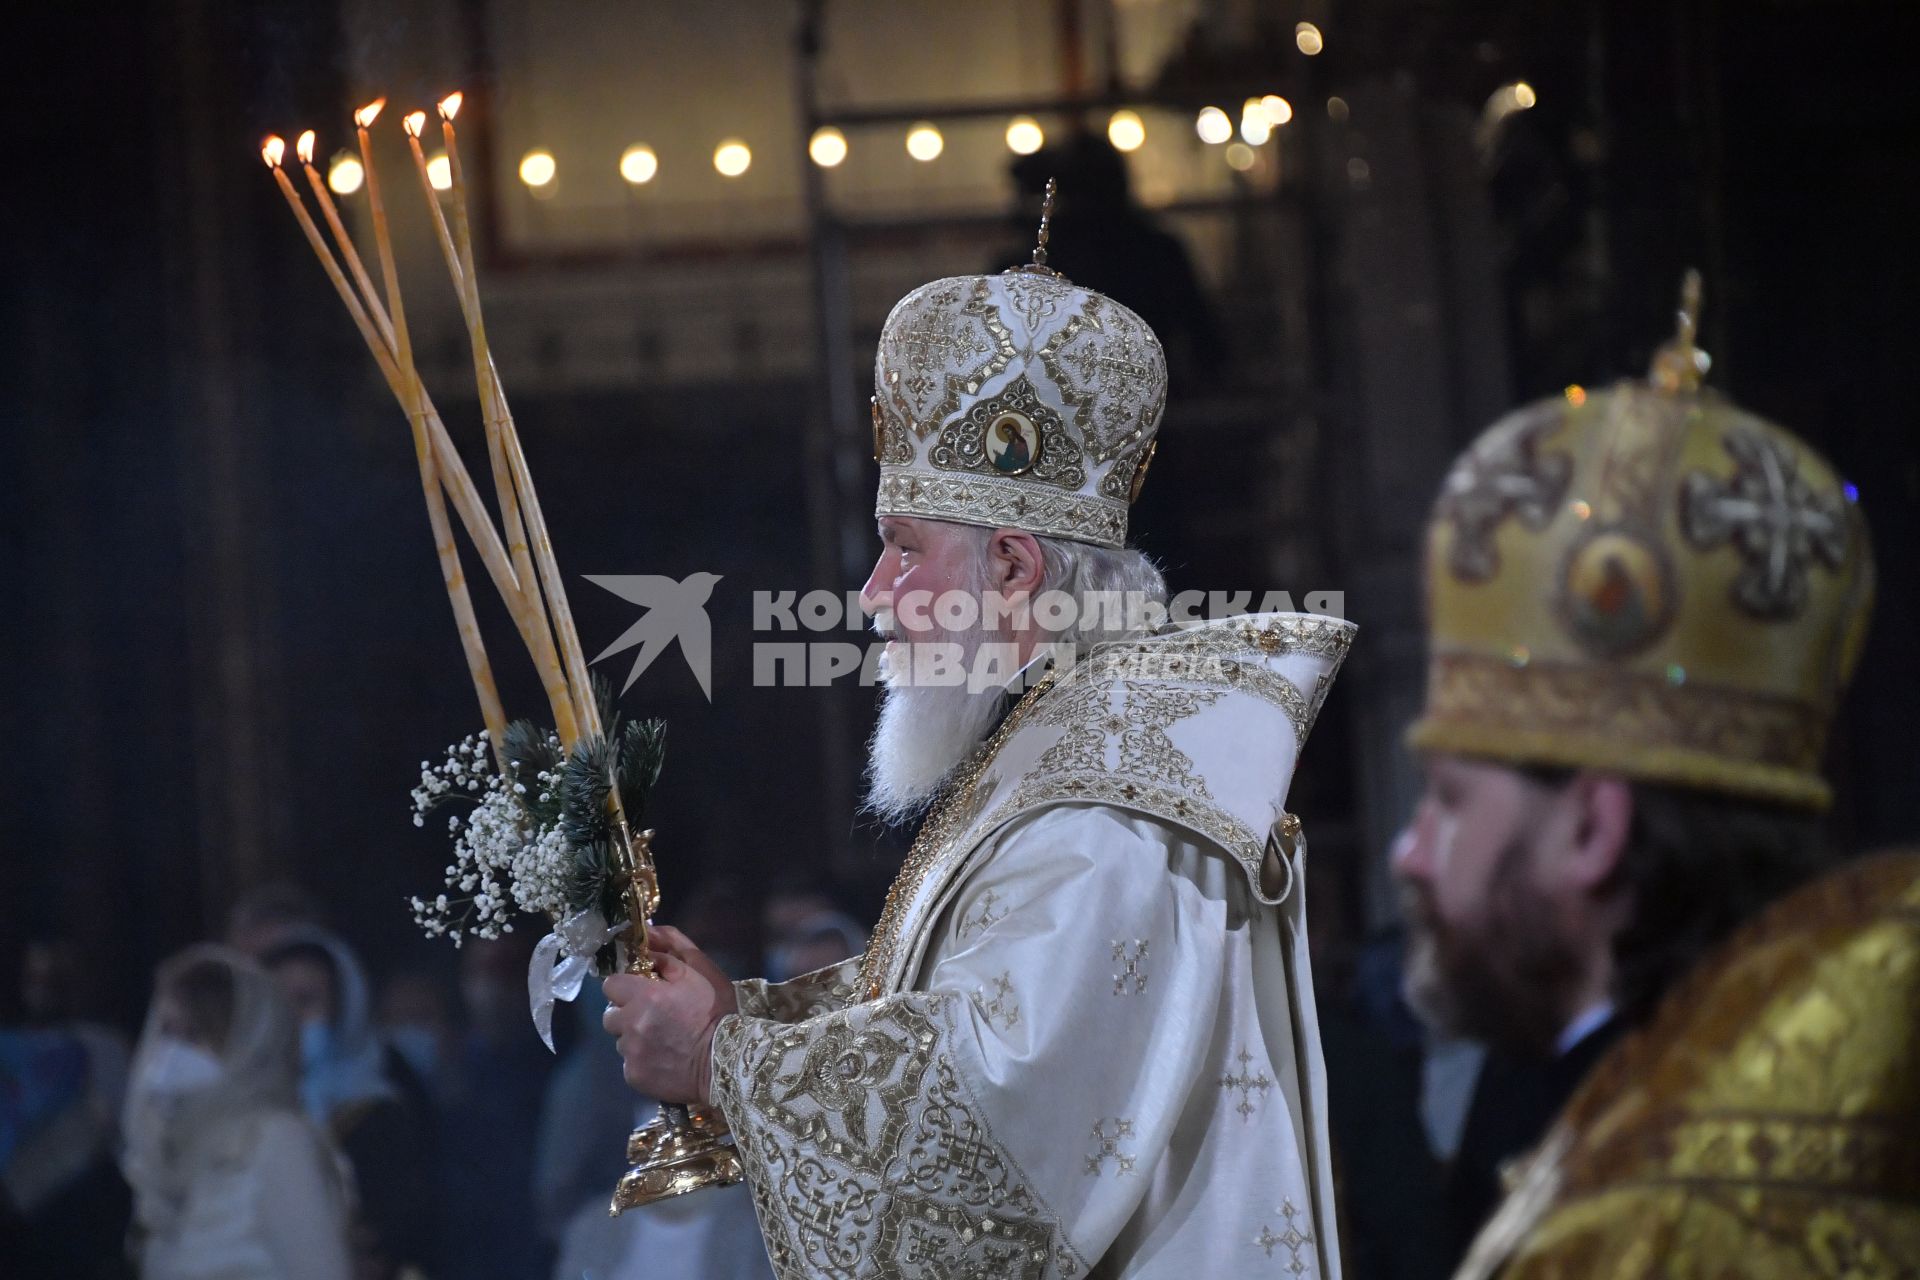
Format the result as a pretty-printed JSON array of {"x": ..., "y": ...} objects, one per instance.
[{"x": 1084, "y": 1042}]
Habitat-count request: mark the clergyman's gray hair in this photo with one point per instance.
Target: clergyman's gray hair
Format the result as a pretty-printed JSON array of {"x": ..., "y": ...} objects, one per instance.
[{"x": 1117, "y": 592}]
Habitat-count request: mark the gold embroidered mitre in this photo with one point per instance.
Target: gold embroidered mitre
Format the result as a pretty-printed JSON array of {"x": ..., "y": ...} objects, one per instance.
[
  {"x": 1646, "y": 580},
  {"x": 1018, "y": 400}
]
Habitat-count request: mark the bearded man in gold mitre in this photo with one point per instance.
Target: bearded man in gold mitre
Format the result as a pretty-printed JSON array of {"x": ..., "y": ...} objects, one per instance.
[
  {"x": 1644, "y": 605},
  {"x": 1083, "y": 1040}
]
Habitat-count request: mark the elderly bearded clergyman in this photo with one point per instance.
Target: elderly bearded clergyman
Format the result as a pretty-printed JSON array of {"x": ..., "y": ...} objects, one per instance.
[{"x": 1083, "y": 1039}]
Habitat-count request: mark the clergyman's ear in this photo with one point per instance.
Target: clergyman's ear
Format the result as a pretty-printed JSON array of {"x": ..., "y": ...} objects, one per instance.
[
  {"x": 1604, "y": 819},
  {"x": 1018, "y": 565}
]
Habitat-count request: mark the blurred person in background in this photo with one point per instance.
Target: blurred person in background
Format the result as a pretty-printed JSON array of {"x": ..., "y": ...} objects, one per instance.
[
  {"x": 727, "y": 910},
  {"x": 1644, "y": 605},
  {"x": 231, "y": 1180},
  {"x": 585, "y": 1116},
  {"x": 489, "y": 1121},
  {"x": 417, "y": 1022},
  {"x": 64, "y": 1207},
  {"x": 814, "y": 942},
  {"x": 1386, "y": 1180},
  {"x": 366, "y": 1098},
  {"x": 260, "y": 916},
  {"x": 582, "y": 1153},
  {"x": 589, "y": 1110},
  {"x": 806, "y": 929},
  {"x": 791, "y": 899}
]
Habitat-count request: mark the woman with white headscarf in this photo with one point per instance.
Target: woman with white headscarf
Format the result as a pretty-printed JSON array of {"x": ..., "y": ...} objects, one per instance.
[
  {"x": 231, "y": 1181},
  {"x": 348, "y": 1083}
]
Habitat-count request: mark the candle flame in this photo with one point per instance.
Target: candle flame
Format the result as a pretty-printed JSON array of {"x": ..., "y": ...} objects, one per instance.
[
  {"x": 304, "y": 147},
  {"x": 272, "y": 148},
  {"x": 450, "y": 105},
  {"x": 414, "y": 122},
  {"x": 366, "y": 115}
]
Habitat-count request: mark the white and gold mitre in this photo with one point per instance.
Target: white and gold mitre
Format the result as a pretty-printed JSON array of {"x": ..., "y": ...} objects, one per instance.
[{"x": 1017, "y": 400}]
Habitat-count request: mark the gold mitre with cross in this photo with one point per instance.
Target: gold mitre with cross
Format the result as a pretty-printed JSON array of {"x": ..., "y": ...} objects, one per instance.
[
  {"x": 1649, "y": 581},
  {"x": 1017, "y": 400}
]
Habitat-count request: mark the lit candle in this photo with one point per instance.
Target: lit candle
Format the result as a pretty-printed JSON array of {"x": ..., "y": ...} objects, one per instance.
[
  {"x": 524, "y": 605},
  {"x": 412, "y": 398},
  {"x": 323, "y": 197},
  {"x": 412, "y": 124},
  {"x": 500, "y": 427},
  {"x": 274, "y": 151},
  {"x": 452, "y": 470}
]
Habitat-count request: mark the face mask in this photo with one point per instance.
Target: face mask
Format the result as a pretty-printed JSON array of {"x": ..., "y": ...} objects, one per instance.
[
  {"x": 176, "y": 1066},
  {"x": 488, "y": 1004},
  {"x": 316, "y": 1041},
  {"x": 780, "y": 963},
  {"x": 420, "y": 1046},
  {"x": 732, "y": 963}
]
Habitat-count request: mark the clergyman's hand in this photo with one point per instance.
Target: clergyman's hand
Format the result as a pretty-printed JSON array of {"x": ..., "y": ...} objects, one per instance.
[{"x": 664, "y": 1025}]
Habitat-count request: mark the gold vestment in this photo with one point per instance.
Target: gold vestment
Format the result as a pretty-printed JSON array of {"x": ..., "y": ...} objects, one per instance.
[{"x": 1765, "y": 1124}]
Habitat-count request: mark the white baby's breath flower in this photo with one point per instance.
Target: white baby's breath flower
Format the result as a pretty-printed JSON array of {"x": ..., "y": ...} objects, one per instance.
[{"x": 503, "y": 857}]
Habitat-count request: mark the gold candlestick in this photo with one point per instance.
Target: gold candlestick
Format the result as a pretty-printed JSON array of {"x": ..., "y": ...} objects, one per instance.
[{"x": 683, "y": 1149}]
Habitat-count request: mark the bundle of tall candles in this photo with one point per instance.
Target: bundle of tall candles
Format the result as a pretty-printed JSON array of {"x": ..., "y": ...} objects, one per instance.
[
  {"x": 520, "y": 561},
  {"x": 588, "y": 759}
]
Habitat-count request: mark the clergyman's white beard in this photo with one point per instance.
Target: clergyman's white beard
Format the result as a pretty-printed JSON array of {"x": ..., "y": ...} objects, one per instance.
[{"x": 925, "y": 733}]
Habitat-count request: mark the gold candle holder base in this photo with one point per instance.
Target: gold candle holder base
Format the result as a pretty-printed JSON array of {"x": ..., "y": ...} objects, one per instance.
[{"x": 680, "y": 1150}]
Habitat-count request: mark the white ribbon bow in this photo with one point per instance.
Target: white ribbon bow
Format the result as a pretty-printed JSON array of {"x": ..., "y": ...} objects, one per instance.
[{"x": 561, "y": 963}]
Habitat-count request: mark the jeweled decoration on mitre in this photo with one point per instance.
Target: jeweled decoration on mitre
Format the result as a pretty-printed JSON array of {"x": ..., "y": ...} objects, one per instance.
[
  {"x": 1016, "y": 400},
  {"x": 1650, "y": 581}
]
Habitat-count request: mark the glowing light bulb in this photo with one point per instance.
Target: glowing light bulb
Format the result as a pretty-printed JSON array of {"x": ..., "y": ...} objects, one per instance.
[
  {"x": 1126, "y": 131},
  {"x": 638, "y": 164},
  {"x": 828, "y": 147},
  {"x": 1024, "y": 136},
  {"x": 732, "y": 158},
  {"x": 538, "y": 167},
  {"x": 1524, "y": 96},
  {"x": 440, "y": 171},
  {"x": 1277, "y": 108},
  {"x": 1254, "y": 129},
  {"x": 924, "y": 142},
  {"x": 1213, "y": 126},
  {"x": 346, "y": 174},
  {"x": 1308, "y": 39}
]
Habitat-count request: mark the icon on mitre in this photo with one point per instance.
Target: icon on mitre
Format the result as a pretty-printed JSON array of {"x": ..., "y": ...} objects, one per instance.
[{"x": 1012, "y": 444}]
